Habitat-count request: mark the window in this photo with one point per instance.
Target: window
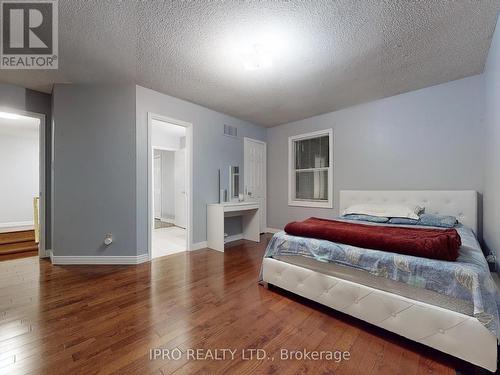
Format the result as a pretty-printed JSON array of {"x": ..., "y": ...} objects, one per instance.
[{"x": 311, "y": 169}]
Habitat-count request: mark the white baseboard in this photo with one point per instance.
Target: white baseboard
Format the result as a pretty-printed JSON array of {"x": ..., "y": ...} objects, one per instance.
[
  {"x": 167, "y": 220},
  {"x": 234, "y": 237},
  {"x": 273, "y": 230},
  {"x": 16, "y": 226},
  {"x": 143, "y": 258},
  {"x": 75, "y": 259},
  {"x": 199, "y": 245}
]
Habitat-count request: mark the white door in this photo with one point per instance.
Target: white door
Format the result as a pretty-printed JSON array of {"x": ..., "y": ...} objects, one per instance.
[
  {"x": 255, "y": 176},
  {"x": 180, "y": 188},
  {"x": 157, "y": 186}
]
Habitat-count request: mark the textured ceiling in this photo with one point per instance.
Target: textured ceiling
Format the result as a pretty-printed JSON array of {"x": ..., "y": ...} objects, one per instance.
[{"x": 326, "y": 55}]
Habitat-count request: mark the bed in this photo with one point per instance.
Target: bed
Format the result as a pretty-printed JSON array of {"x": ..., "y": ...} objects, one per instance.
[{"x": 451, "y": 323}]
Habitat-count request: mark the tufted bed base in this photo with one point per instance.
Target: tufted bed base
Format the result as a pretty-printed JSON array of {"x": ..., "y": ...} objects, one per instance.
[{"x": 451, "y": 332}]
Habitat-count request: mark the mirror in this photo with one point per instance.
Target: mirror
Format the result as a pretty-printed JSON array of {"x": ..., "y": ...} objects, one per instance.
[{"x": 234, "y": 182}]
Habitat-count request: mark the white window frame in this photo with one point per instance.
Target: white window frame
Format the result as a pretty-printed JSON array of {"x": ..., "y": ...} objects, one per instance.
[{"x": 292, "y": 201}]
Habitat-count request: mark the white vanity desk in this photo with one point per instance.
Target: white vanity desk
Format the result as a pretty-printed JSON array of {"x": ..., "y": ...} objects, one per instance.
[{"x": 216, "y": 212}]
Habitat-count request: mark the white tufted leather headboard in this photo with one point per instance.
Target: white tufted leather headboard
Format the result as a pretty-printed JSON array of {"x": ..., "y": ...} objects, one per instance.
[{"x": 459, "y": 203}]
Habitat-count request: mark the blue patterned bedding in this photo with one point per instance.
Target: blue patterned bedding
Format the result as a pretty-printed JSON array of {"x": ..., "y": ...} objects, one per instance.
[{"x": 468, "y": 278}]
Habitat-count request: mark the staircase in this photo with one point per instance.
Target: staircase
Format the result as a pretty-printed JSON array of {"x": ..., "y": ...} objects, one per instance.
[{"x": 18, "y": 242}]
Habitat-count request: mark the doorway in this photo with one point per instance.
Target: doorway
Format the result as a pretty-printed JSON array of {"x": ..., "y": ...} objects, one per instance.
[
  {"x": 169, "y": 178},
  {"x": 22, "y": 196}
]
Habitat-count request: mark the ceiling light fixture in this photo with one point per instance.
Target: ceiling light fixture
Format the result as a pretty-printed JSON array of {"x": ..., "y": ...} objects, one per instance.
[
  {"x": 10, "y": 116},
  {"x": 256, "y": 58}
]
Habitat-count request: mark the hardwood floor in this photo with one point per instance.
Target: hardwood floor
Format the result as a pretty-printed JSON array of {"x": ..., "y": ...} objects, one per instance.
[{"x": 105, "y": 320}]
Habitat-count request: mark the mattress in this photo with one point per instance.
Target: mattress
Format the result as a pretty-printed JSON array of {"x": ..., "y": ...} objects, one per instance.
[
  {"x": 387, "y": 285},
  {"x": 463, "y": 286}
]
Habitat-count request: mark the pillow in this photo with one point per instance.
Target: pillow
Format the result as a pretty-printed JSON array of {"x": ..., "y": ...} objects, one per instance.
[
  {"x": 385, "y": 210},
  {"x": 403, "y": 221},
  {"x": 373, "y": 219},
  {"x": 443, "y": 221}
]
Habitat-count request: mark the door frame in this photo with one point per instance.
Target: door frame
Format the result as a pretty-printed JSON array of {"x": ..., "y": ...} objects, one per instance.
[
  {"x": 245, "y": 142},
  {"x": 42, "y": 251},
  {"x": 189, "y": 177}
]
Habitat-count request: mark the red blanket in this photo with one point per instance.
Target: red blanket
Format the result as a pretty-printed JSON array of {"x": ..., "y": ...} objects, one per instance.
[{"x": 422, "y": 242}]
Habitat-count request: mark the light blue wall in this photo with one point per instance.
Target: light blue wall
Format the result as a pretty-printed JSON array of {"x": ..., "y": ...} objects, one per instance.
[
  {"x": 492, "y": 147},
  {"x": 94, "y": 169},
  {"x": 211, "y": 151},
  {"x": 100, "y": 164},
  {"x": 426, "y": 139}
]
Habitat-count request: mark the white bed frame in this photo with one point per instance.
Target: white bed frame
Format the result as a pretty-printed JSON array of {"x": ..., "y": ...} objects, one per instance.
[{"x": 451, "y": 332}]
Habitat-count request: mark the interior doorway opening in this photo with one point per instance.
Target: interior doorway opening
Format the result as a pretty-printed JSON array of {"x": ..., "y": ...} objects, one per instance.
[
  {"x": 22, "y": 198},
  {"x": 170, "y": 143}
]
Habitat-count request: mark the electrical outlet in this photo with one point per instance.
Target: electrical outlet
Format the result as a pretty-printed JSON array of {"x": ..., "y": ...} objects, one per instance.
[{"x": 108, "y": 239}]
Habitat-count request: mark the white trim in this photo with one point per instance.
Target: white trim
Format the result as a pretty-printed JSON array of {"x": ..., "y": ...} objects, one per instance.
[
  {"x": 41, "y": 172},
  {"x": 273, "y": 230},
  {"x": 255, "y": 140},
  {"x": 291, "y": 177},
  {"x": 189, "y": 175},
  {"x": 313, "y": 204},
  {"x": 142, "y": 258},
  {"x": 172, "y": 149},
  {"x": 199, "y": 245},
  {"x": 17, "y": 224},
  {"x": 234, "y": 237},
  {"x": 74, "y": 260},
  {"x": 20, "y": 228}
]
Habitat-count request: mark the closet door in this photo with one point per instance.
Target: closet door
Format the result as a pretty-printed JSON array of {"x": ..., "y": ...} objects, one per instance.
[{"x": 255, "y": 176}]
